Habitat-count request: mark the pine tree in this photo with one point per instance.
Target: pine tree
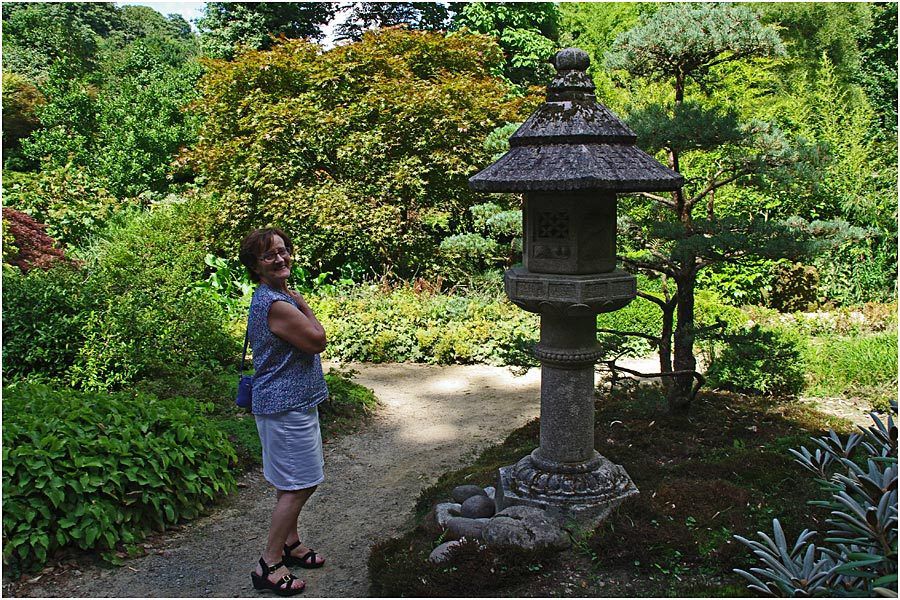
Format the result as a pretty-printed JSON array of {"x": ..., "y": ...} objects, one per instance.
[{"x": 681, "y": 46}]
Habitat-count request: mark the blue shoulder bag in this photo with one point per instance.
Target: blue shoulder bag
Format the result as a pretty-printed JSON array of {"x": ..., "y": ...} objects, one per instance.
[{"x": 245, "y": 383}]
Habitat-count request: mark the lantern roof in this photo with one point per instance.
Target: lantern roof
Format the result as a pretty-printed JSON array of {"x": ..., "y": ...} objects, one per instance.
[{"x": 572, "y": 142}]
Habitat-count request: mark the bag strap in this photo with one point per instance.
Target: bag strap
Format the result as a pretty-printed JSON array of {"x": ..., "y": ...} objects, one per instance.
[{"x": 246, "y": 341}]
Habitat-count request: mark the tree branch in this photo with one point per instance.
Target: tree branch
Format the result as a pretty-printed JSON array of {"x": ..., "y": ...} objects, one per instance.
[
  {"x": 649, "y": 266},
  {"x": 719, "y": 324},
  {"x": 652, "y": 338},
  {"x": 699, "y": 379},
  {"x": 663, "y": 304},
  {"x": 660, "y": 199},
  {"x": 716, "y": 185}
]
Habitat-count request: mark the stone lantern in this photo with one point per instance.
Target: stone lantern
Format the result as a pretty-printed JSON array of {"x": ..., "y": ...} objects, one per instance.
[{"x": 570, "y": 159}]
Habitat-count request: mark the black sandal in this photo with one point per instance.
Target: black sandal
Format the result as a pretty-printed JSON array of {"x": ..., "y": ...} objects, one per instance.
[
  {"x": 282, "y": 587},
  {"x": 307, "y": 561}
]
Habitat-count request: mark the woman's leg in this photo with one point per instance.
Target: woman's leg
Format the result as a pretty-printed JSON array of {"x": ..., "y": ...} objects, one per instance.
[{"x": 284, "y": 523}]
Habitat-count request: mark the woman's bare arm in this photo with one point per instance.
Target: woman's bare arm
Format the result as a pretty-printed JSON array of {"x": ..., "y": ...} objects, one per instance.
[{"x": 298, "y": 327}]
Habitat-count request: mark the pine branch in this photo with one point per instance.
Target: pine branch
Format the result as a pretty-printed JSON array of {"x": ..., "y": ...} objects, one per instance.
[
  {"x": 661, "y": 199},
  {"x": 639, "y": 264},
  {"x": 714, "y": 185},
  {"x": 652, "y": 338},
  {"x": 719, "y": 324},
  {"x": 663, "y": 304},
  {"x": 699, "y": 379}
]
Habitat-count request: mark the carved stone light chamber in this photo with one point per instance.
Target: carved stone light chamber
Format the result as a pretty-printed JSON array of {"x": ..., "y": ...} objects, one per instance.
[{"x": 570, "y": 159}]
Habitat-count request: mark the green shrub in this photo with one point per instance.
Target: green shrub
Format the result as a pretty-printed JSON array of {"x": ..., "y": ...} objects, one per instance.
[
  {"x": 407, "y": 114},
  {"x": 755, "y": 359},
  {"x": 370, "y": 324},
  {"x": 739, "y": 284},
  {"x": 70, "y": 201},
  {"x": 44, "y": 314},
  {"x": 21, "y": 99},
  {"x": 93, "y": 471},
  {"x": 859, "y": 320},
  {"x": 151, "y": 321},
  {"x": 866, "y": 365}
]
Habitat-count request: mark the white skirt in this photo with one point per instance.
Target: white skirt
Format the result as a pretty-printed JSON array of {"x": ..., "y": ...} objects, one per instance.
[{"x": 291, "y": 449}]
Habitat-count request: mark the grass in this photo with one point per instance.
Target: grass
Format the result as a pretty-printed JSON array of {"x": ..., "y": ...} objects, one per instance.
[
  {"x": 723, "y": 471},
  {"x": 861, "y": 366}
]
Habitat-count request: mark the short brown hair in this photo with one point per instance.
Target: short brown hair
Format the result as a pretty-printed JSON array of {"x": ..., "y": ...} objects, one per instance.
[{"x": 255, "y": 244}]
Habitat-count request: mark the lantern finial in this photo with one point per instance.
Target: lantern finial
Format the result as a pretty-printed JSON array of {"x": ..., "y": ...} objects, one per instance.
[{"x": 572, "y": 81}]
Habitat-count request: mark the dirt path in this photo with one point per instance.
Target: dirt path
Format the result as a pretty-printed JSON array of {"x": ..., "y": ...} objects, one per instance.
[{"x": 432, "y": 419}]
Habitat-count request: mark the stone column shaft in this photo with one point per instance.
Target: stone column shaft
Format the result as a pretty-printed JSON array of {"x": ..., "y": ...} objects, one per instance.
[{"x": 567, "y": 388}]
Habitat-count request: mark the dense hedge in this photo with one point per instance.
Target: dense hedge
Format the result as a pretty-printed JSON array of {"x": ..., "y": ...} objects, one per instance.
[
  {"x": 757, "y": 359},
  {"x": 95, "y": 470},
  {"x": 44, "y": 313},
  {"x": 131, "y": 312}
]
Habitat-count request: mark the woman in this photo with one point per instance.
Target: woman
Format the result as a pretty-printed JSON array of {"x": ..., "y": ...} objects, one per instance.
[{"x": 288, "y": 384}]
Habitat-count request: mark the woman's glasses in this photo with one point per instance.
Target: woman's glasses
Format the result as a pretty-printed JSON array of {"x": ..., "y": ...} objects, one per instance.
[{"x": 271, "y": 256}]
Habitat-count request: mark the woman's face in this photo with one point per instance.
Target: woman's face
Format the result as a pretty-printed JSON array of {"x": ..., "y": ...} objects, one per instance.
[{"x": 274, "y": 265}]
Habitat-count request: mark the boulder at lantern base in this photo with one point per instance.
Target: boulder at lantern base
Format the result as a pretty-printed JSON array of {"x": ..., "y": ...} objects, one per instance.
[{"x": 525, "y": 527}]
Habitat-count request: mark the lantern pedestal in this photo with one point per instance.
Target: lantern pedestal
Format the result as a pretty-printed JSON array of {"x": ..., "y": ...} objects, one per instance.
[
  {"x": 581, "y": 492},
  {"x": 565, "y": 476}
]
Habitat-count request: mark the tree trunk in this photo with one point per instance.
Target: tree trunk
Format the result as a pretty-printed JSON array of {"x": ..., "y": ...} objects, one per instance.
[
  {"x": 665, "y": 344},
  {"x": 679, "y": 394}
]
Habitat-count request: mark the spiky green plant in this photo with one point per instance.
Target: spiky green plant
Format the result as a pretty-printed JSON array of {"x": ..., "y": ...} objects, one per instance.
[{"x": 862, "y": 556}]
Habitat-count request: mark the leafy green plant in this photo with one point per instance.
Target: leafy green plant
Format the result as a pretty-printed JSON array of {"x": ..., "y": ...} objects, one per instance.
[
  {"x": 229, "y": 284},
  {"x": 95, "y": 471},
  {"x": 44, "y": 313},
  {"x": 859, "y": 474},
  {"x": 768, "y": 361}
]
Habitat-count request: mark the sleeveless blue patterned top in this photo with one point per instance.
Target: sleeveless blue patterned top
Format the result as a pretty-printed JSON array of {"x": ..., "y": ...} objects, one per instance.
[{"x": 285, "y": 378}]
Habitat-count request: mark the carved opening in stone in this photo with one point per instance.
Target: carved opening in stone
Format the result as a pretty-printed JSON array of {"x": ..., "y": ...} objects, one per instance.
[{"x": 552, "y": 225}]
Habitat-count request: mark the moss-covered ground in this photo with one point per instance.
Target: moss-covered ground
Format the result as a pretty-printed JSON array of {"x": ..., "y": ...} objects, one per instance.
[{"x": 724, "y": 470}]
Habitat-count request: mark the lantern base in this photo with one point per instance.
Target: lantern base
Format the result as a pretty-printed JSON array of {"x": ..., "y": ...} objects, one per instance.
[{"x": 581, "y": 492}]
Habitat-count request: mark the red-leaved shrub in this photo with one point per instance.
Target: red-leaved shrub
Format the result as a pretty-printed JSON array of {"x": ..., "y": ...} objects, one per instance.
[{"x": 35, "y": 247}]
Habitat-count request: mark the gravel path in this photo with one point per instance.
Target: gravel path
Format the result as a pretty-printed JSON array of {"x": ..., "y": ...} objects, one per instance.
[{"x": 431, "y": 420}]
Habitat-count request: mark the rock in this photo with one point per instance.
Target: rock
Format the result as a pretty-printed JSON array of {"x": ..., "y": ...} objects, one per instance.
[
  {"x": 525, "y": 527},
  {"x": 461, "y": 493},
  {"x": 429, "y": 523},
  {"x": 436, "y": 520},
  {"x": 490, "y": 492},
  {"x": 444, "y": 512},
  {"x": 478, "y": 507},
  {"x": 462, "y": 527},
  {"x": 442, "y": 552}
]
